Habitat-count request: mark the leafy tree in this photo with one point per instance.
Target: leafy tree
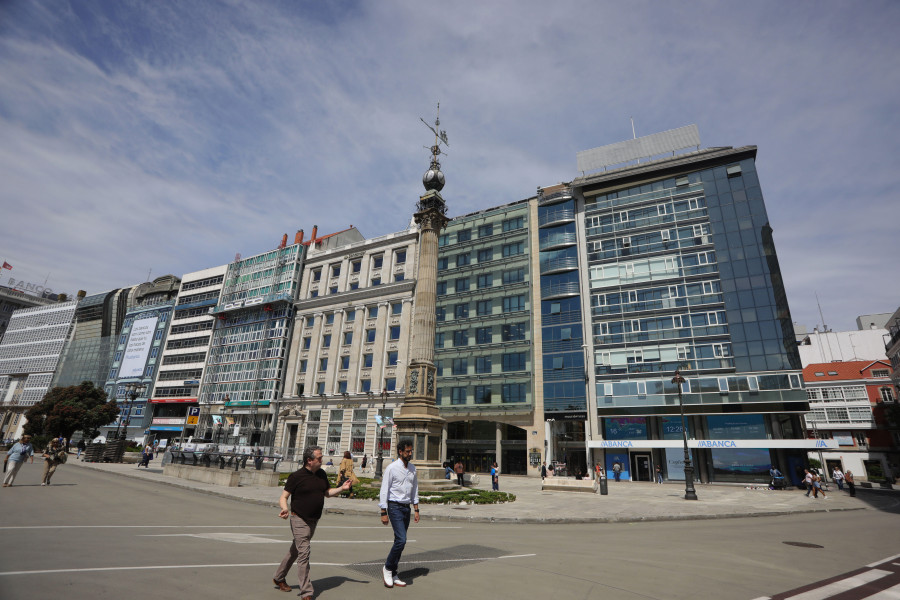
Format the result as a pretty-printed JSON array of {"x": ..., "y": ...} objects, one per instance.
[{"x": 65, "y": 410}]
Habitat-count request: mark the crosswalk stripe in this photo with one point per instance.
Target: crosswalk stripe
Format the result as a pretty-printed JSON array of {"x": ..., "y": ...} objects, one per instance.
[
  {"x": 888, "y": 594},
  {"x": 841, "y": 586}
]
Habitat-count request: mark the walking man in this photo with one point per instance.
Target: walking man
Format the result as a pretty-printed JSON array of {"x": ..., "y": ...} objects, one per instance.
[
  {"x": 306, "y": 489},
  {"x": 17, "y": 455},
  {"x": 838, "y": 477},
  {"x": 399, "y": 490}
]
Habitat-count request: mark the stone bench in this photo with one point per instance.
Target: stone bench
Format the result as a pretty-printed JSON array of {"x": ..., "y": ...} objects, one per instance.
[{"x": 568, "y": 484}]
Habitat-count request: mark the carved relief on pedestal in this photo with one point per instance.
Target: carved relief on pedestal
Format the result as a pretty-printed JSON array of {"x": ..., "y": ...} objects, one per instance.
[{"x": 413, "y": 381}]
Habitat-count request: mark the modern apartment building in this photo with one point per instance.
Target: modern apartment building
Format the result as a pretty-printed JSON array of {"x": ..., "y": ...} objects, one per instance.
[
  {"x": 849, "y": 404},
  {"x": 349, "y": 349},
  {"x": 183, "y": 359},
  {"x": 136, "y": 357},
  {"x": 29, "y": 354},
  {"x": 484, "y": 350},
  {"x": 12, "y": 300},
  {"x": 679, "y": 272}
]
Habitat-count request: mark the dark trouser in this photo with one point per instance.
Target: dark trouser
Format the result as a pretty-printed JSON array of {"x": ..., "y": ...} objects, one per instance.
[
  {"x": 495, "y": 484},
  {"x": 617, "y": 475},
  {"x": 459, "y": 479},
  {"x": 852, "y": 488},
  {"x": 840, "y": 483},
  {"x": 398, "y": 514}
]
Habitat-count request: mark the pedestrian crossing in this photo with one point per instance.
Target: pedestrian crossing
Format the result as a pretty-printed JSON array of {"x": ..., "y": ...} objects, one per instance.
[{"x": 877, "y": 581}]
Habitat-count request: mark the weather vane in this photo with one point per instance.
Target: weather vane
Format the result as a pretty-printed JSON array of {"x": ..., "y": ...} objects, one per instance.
[{"x": 440, "y": 137}]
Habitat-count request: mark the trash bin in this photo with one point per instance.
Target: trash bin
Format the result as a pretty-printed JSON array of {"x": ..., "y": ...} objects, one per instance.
[{"x": 604, "y": 490}]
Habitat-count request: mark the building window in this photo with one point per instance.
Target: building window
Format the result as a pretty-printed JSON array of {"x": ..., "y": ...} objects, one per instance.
[
  {"x": 342, "y": 387},
  {"x": 514, "y": 361},
  {"x": 514, "y": 223},
  {"x": 376, "y": 281},
  {"x": 392, "y": 358},
  {"x": 461, "y": 285},
  {"x": 443, "y": 240},
  {"x": 441, "y": 288},
  {"x": 485, "y": 280},
  {"x": 377, "y": 261},
  {"x": 513, "y": 303},
  {"x": 314, "y": 294},
  {"x": 354, "y": 285},
  {"x": 483, "y": 364},
  {"x": 317, "y": 275},
  {"x": 461, "y": 311},
  {"x": 460, "y": 366},
  {"x": 512, "y": 393},
  {"x": 513, "y": 276},
  {"x": 323, "y": 364},
  {"x": 485, "y": 255},
  {"x": 457, "y": 395},
  {"x": 400, "y": 257},
  {"x": 461, "y": 338},
  {"x": 351, "y": 316},
  {"x": 373, "y": 312},
  {"x": 335, "y": 270},
  {"x": 395, "y": 333},
  {"x": 440, "y": 314},
  {"x": 513, "y": 332},
  {"x": 370, "y": 336},
  {"x": 439, "y": 339},
  {"x": 513, "y": 249},
  {"x": 485, "y": 230},
  {"x": 307, "y": 342},
  {"x": 484, "y": 335},
  {"x": 326, "y": 340},
  {"x": 367, "y": 361},
  {"x": 442, "y": 264},
  {"x": 880, "y": 373},
  {"x": 303, "y": 366},
  {"x": 887, "y": 394},
  {"x": 333, "y": 289},
  {"x": 482, "y": 394},
  {"x": 329, "y": 319},
  {"x": 348, "y": 338},
  {"x": 365, "y": 385},
  {"x": 463, "y": 235},
  {"x": 320, "y": 388},
  {"x": 390, "y": 384},
  {"x": 399, "y": 277},
  {"x": 345, "y": 363},
  {"x": 484, "y": 307},
  {"x": 462, "y": 259},
  {"x": 356, "y": 266}
]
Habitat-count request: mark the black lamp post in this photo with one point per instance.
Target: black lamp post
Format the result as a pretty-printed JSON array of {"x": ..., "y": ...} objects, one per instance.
[
  {"x": 689, "y": 492},
  {"x": 380, "y": 456},
  {"x": 132, "y": 391}
]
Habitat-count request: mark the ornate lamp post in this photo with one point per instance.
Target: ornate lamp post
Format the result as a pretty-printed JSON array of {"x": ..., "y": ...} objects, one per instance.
[
  {"x": 689, "y": 492},
  {"x": 132, "y": 392},
  {"x": 380, "y": 456}
]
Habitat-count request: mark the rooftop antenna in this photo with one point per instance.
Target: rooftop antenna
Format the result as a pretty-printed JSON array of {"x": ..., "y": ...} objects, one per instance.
[
  {"x": 633, "y": 134},
  {"x": 824, "y": 328},
  {"x": 148, "y": 274}
]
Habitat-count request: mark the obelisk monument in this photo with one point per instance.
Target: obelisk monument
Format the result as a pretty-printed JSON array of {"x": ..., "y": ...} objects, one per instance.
[{"x": 419, "y": 420}]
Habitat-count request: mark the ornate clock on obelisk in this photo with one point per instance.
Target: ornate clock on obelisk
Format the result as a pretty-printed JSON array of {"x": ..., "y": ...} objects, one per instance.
[{"x": 419, "y": 420}]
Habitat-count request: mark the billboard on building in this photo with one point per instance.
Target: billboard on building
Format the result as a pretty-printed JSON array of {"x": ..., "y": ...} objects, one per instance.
[{"x": 139, "y": 342}]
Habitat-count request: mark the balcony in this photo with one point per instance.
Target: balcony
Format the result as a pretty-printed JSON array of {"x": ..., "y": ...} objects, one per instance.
[
  {"x": 557, "y": 217},
  {"x": 559, "y": 265},
  {"x": 559, "y": 240},
  {"x": 559, "y": 290},
  {"x": 560, "y": 196}
]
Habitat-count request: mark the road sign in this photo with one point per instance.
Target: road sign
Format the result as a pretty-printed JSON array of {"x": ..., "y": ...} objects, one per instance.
[{"x": 193, "y": 415}]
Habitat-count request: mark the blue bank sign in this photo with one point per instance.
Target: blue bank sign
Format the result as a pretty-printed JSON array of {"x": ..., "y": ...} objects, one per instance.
[{"x": 758, "y": 443}]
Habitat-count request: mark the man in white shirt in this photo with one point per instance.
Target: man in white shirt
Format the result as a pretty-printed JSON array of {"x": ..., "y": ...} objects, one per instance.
[{"x": 399, "y": 490}]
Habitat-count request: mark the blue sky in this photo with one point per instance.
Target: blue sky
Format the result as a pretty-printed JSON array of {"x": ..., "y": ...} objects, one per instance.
[{"x": 169, "y": 136}]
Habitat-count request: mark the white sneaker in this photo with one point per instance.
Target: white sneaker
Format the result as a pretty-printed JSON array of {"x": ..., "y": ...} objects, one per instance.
[
  {"x": 42, "y": 483},
  {"x": 388, "y": 577},
  {"x": 399, "y": 583}
]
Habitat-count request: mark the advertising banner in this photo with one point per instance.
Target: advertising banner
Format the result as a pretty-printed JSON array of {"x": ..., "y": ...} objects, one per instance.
[{"x": 139, "y": 342}]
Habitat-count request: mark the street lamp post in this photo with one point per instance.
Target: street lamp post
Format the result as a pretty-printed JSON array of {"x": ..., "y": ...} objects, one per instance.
[
  {"x": 380, "y": 456},
  {"x": 689, "y": 492},
  {"x": 132, "y": 392}
]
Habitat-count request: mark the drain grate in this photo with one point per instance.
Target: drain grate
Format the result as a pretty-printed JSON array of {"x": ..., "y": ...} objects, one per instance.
[{"x": 803, "y": 544}]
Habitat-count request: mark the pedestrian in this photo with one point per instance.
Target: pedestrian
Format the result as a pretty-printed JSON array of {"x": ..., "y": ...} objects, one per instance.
[
  {"x": 617, "y": 470},
  {"x": 460, "y": 472},
  {"x": 543, "y": 471},
  {"x": 146, "y": 457},
  {"x": 851, "y": 484},
  {"x": 597, "y": 471},
  {"x": 306, "y": 489},
  {"x": 808, "y": 481},
  {"x": 364, "y": 462},
  {"x": 54, "y": 455},
  {"x": 838, "y": 477},
  {"x": 17, "y": 455},
  {"x": 81, "y": 447},
  {"x": 448, "y": 471},
  {"x": 495, "y": 477},
  {"x": 817, "y": 486},
  {"x": 399, "y": 490},
  {"x": 551, "y": 469},
  {"x": 346, "y": 472},
  {"x": 659, "y": 477}
]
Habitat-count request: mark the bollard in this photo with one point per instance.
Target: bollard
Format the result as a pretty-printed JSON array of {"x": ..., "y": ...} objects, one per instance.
[{"x": 604, "y": 490}]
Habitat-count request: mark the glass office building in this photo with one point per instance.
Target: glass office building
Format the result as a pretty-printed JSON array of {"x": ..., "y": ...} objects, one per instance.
[{"x": 680, "y": 272}]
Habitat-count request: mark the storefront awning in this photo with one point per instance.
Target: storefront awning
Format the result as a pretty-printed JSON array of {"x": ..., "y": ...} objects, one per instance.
[{"x": 714, "y": 444}]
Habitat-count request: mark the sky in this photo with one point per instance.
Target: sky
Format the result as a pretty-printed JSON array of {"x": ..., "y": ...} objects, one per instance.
[{"x": 146, "y": 138}]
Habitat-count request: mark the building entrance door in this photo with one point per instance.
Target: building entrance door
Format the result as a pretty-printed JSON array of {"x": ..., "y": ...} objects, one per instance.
[{"x": 640, "y": 467}]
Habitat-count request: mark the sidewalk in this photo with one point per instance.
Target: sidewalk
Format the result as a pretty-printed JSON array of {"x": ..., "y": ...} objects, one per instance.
[{"x": 626, "y": 502}]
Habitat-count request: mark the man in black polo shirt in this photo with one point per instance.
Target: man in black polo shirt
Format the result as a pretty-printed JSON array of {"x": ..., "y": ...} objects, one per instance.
[{"x": 306, "y": 488}]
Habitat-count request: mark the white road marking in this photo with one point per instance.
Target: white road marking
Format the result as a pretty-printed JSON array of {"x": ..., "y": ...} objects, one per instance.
[
  {"x": 246, "y": 538},
  {"x": 221, "y": 566},
  {"x": 881, "y": 562},
  {"x": 842, "y": 585}
]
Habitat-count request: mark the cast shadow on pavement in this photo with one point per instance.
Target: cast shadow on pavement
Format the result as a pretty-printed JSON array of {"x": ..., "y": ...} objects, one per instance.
[{"x": 329, "y": 583}]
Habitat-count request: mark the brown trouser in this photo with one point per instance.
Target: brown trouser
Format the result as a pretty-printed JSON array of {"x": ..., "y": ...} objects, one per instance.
[
  {"x": 49, "y": 470},
  {"x": 299, "y": 552}
]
